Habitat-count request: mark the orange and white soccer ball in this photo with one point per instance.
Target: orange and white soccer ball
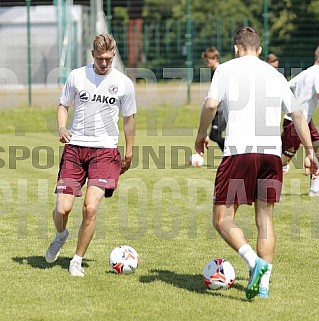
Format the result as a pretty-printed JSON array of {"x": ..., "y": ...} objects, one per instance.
[
  {"x": 219, "y": 274},
  {"x": 124, "y": 259},
  {"x": 196, "y": 160}
]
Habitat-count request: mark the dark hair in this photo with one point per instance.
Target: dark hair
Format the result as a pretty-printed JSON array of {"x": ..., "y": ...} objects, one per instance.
[
  {"x": 271, "y": 58},
  {"x": 247, "y": 38}
]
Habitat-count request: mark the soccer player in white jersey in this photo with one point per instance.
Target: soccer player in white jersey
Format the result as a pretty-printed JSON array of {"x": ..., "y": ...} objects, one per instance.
[
  {"x": 305, "y": 87},
  {"x": 100, "y": 94},
  {"x": 252, "y": 94}
]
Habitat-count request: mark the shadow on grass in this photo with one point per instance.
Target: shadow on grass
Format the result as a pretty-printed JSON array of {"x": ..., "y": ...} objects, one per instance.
[
  {"x": 39, "y": 262},
  {"x": 189, "y": 282}
]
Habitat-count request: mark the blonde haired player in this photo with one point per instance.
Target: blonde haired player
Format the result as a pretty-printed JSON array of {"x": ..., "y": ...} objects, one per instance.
[{"x": 100, "y": 94}]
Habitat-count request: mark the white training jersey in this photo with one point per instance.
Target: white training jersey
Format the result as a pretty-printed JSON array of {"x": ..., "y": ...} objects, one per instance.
[
  {"x": 305, "y": 87},
  {"x": 252, "y": 95},
  {"x": 98, "y": 102}
]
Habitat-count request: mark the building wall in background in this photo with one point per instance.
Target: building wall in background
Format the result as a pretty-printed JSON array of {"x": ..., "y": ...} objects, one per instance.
[{"x": 44, "y": 50}]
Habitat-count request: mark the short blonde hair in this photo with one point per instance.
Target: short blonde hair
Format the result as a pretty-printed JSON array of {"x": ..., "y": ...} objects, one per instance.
[{"x": 104, "y": 42}]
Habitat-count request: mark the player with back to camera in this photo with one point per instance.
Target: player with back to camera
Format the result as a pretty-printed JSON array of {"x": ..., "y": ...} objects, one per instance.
[
  {"x": 211, "y": 59},
  {"x": 305, "y": 87},
  {"x": 251, "y": 168},
  {"x": 100, "y": 93}
]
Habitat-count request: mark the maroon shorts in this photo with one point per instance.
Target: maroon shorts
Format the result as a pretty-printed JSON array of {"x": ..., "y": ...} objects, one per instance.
[
  {"x": 100, "y": 166},
  {"x": 290, "y": 139},
  {"x": 240, "y": 179}
]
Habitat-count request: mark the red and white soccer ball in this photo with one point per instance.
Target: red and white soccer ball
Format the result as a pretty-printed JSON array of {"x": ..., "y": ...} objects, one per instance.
[
  {"x": 196, "y": 160},
  {"x": 219, "y": 274},
  {"x": 124, "y": 259}
]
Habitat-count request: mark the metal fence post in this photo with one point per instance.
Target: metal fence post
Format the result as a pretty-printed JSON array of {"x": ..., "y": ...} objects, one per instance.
[
  {"x": 188, "y": 44},
  {"x": 29, "y": 54}
]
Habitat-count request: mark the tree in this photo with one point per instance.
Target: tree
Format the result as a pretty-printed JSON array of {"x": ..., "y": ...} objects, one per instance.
[{"x": 293, "y": 29}]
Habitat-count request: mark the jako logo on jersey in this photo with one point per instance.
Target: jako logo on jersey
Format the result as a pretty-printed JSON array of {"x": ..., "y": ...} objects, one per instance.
[
  {"x": 104, "y": 99},
  {"x": 84, "y": 95}
]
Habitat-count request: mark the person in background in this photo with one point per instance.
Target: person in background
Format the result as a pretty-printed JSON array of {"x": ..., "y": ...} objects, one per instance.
[
  {"x": 305, "y": 87},
  {"x": 211, "y": 59},
  {"x": 273, "y": 60}
]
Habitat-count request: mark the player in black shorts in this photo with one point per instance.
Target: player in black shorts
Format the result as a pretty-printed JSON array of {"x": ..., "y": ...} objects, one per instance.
[{"x": 211, "y": 58}]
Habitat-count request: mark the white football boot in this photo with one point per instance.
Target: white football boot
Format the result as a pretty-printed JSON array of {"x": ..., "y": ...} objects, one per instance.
[{"x": 76, "y": 269}]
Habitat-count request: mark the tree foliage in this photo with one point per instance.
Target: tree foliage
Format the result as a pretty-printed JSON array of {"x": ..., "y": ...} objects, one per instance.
[
  {"x": 293, "y": 28},
  {"x": 290, "y": 21}
]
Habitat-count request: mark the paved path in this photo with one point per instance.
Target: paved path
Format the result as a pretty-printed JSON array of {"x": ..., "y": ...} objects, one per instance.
[{"x": 147, "y": 95}]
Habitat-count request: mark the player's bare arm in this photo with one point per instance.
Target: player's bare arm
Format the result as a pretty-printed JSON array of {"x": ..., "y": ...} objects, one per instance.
[
  {"x": 207, "y": 114},
  {"x": 62, "y": 117},
  {"x": 129, "y": 133},
  {"x": 311, "y": 162}
]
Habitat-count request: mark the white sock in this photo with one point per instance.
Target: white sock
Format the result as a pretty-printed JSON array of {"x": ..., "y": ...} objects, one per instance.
[
  {"x": 62, "y": 235},
  {"x": 314, "y": 184},
  {"x": 77, "y": 258},
  {"x": 248, "y": 254},
  {"x": 264, "y": 282}
]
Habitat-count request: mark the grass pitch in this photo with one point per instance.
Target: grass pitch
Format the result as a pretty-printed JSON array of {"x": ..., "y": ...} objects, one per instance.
[{"x": 163, "y": 209}]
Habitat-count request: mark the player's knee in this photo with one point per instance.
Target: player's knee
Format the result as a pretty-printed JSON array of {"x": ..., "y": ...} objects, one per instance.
[
  {"x": 89, "y": 212},
  {"x": 61, "y": 211}
]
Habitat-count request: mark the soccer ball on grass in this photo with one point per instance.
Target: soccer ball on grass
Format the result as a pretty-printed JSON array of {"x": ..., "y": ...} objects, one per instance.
[
  {"x": 124, "y": 259},
  {"x": 196, "y": 160},
  {"x": 219, "y": 274}
]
